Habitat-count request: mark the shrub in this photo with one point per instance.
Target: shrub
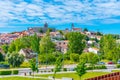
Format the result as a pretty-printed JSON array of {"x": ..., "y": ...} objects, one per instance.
[
  {"x": 25, "y": 65},
  {"x": 64, "y": 69},
  {"x": 74, "y": 57},
  {"x": 8, "y": 72},
  {"x": 89, "y": 68},
  {"x": 100, "y": 67},
  {"x": 118, "y": 65},
  {"x": 96, "y": 67},
  {"x": 15, "y": 71}
]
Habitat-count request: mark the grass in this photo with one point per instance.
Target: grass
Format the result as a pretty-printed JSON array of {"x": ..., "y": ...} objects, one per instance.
[
  {"x": 75, "y": 76},
  {"x": 115, "y": 70},
  {"x": 20, "y": 78}
]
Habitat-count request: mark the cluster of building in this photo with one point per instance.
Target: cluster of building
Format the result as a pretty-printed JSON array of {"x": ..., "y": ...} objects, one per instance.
[{"x": 56, "y": 37}]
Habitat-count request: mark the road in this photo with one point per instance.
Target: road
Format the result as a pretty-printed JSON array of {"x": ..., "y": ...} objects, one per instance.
[{"x": 49, "y": 69}]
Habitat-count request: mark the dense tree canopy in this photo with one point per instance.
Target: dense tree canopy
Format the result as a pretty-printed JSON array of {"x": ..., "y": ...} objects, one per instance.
[
  {"x": 108, "y": 47},
  {"x": 34, "y": 41},
  {"x": 15, "y": 59},
  {"x": 76, "y": 42},
  {"x": 46, "y": 45},
  {"x": 5, "y": 48},
  {"x": 25, "y": 42},
  {"x": 81, "y": 69},
  {"x": 91, "y": 58}
]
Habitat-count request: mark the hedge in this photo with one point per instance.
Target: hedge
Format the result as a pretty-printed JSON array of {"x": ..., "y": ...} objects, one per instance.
[
  {"x": 96, "y": 67},
  {"x": 64, "y": 69},
  {"x": 8, "y": 72},
  {"x": 15, "y": 71}
]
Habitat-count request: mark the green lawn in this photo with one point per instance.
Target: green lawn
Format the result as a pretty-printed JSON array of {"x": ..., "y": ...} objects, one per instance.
[
  {"x": 20, "y": 78},
  {"x": 75, "y": 76},
  {"x": 115, "y": 70}
]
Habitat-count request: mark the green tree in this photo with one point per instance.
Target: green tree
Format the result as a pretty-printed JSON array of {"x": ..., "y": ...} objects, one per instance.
[
  {"x": 83, "y": 58},
  {"x": 16, "y": 45},
  {"x": 58, "y": 65},
  {"x": 33, "y": 65},
  {"x": 74, "y": 57},
  {"x": 35, "y": 42},
  {"x": 108, "y": 46},
  {"x": 76, "y": 42},
  {"x": 25, "y": 42},
  {"x": 92, "y": 59},
  {"x": 51, "y": 58},
  {"x": 46, "y": 45},
  {"x": 1, "y": 57},
  {"x": 11, "y": 47},
  {"x": 15, "y": 59},
  {"x": 81, "y": 69},
  {"x": 116, "y": 53},
  {"x": 5, "y": 48}
]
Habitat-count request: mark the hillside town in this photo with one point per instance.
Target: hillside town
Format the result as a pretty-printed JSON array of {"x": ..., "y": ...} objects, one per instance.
[{"x": 57, "y": 37}]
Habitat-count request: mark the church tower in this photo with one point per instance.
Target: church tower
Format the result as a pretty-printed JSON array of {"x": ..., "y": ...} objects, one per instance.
[
  {"x": 72, "y": 26},
  {"x": 46, "y": 25}
]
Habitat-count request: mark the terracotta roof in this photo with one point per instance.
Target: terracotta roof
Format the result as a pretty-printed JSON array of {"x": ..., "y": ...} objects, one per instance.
[{"x": 76, "y": 29}]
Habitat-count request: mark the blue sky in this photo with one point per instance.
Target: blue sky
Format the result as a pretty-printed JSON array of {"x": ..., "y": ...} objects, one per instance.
[{"x": 97, "y": 15}]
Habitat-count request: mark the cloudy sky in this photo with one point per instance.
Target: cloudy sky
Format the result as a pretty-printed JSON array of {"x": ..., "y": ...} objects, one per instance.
[{"x": 102, "y": 15}]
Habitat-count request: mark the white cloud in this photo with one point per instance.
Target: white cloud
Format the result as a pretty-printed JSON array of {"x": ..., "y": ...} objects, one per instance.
[{"x": 12, "y": 11}]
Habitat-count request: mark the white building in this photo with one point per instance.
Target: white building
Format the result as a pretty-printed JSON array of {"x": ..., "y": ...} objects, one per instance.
[{"x": 94, "y": 50}]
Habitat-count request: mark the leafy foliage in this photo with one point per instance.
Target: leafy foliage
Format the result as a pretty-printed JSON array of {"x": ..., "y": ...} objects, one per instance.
[
  {"x": 74, "y": 57},
  {"x": 76, "y": 42},
  {"x": 46, "y": 45},
  {"x": 35, "y": 40},
  {"x": 109, "y": 48},
  {"x": 5, "y": 48},
  {"x": 58, "y": 65},
  {"x": 1, "y": 57},
  {"x": 25, "y": 42},
  {"x": 33, "y": 65},
  {"x": 15, "y": 59},
  {"x": 81, "y": 69}
]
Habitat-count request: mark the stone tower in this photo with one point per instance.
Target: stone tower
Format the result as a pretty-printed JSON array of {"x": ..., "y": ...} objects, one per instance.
[
  {"x": 46, "y": 25},
  {"x": 72, "y": 26}
]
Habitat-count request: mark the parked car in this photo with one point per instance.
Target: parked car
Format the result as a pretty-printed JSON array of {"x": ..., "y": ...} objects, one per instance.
[
  {"x": 101, "y": 63},
  {"x": 4, "y": 66},
  {"x": 110, "y": 62}
]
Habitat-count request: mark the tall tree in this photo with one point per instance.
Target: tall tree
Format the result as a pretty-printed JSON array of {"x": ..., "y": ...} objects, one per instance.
[
  {"x": 83, "y": 58},
  {"x": 76, "y": 42},
  {"x": 108, "y": 46},
  {"x": 92, "y": 59},
  {"x": 25, "y": 42},
  {"x": 46, "y": 45},
  {"x": 81, "y": 69},
  {"x": 35, "y": 42},
  {"x": 58, "y": 65},
  {"x": 33, "y": 65},
  {"x": 5, "y": 48},
  {"x": 12, "y": 47}
]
